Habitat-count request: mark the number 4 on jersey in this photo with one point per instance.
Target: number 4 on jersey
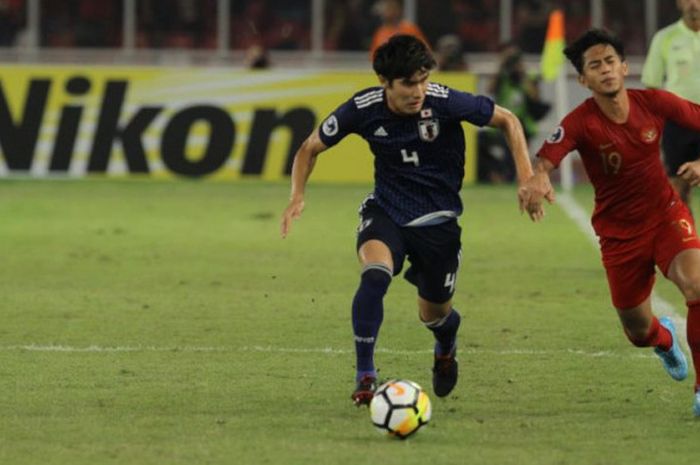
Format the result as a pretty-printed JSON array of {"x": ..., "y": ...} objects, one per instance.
[
  {"x": 450, "y": 281},
  {"x": 412, "y": 158}
]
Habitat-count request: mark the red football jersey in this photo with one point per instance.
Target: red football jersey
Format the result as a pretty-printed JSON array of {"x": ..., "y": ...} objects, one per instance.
[{"x": 623, "y": 161}]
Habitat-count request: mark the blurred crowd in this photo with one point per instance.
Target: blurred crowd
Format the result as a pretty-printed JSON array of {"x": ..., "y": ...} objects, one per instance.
[{"x": 468, "y": 25}]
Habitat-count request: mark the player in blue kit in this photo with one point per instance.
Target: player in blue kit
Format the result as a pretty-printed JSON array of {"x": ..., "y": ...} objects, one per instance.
[{"x": 413, "y": 128}]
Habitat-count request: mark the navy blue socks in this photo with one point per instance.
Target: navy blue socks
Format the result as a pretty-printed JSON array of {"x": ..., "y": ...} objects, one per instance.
[
  {"x": 367, "y": 315},
  {"x": 445, "y": 331}
]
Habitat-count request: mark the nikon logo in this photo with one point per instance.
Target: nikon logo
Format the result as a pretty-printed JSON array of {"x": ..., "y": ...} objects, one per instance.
[{"x": 19, "y": 136}]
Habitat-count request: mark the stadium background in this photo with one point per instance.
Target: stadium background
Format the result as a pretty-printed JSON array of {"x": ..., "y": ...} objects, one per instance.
[
  {"x": 165, "y": 322},
  {"x": 189, "y": 60}
]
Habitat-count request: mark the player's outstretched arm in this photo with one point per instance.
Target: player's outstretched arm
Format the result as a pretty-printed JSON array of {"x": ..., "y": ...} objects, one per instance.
[
  {"x": 304, "y": 161},
  {"x": 690, "y": 172},
  {"x": 507, "y": 122}
]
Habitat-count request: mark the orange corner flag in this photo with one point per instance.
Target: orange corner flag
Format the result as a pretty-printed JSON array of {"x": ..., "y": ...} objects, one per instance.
[{"x": 553, "y": 53}]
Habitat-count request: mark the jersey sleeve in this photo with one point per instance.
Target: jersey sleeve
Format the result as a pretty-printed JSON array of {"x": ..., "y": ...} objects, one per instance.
[
  {"x": 339, "y": 124},
  {"x": 679, "y": 110},
  {"x": 563, "y": 140},
  {"x": 475, "y": 109},
  {"x": 653, "y": 70}
]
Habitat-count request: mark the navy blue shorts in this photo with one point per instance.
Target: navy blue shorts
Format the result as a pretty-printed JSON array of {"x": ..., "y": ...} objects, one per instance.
[
  {"x": 680, "y": 145},
  {"x": 434, "y": 252}
]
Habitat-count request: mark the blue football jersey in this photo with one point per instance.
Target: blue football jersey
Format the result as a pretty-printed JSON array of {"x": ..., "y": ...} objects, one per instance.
[{"x": 418, "y": 159}]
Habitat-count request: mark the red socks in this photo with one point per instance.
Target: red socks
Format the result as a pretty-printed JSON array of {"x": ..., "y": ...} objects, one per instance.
[{"x": 658, "y": 336}]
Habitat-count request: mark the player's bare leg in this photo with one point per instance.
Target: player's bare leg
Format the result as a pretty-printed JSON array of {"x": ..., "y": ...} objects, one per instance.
[
  {"x": 684, "y": 271},
  {"x": 368, "y": 313},
  {"x": 443, "y": 321},
  {"x": 643, "y": 329}
]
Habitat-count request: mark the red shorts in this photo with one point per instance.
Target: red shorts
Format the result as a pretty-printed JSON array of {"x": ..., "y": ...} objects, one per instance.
[{"x": 629, "y": 263}]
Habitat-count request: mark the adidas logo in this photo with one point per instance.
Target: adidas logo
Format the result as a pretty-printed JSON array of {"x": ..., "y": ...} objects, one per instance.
[{"x": 381, "y": 132}]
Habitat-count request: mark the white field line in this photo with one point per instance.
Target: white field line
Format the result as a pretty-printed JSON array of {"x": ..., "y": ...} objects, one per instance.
[
  {"x": 310, "y": 350},
  {"x": 582, "y": 219}
]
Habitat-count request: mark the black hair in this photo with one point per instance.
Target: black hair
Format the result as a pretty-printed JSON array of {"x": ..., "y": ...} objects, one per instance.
[
  {"x": 590, "y": 38},
  {"x": 401, "y": 56}
]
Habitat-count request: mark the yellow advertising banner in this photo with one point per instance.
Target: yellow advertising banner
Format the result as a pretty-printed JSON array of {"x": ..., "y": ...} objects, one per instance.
[{"x": 194, "y": 122}]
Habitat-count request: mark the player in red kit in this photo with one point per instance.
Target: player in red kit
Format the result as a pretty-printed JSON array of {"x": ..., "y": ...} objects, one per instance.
[{"x": 640, "y": 220}]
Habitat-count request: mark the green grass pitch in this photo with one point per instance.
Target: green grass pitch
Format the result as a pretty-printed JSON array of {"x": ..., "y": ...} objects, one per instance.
[{"x": 167, "y": 323}]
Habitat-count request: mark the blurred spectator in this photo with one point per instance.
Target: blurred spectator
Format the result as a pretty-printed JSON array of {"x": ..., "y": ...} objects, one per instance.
[
  {"x": 176, "y": 23},
  {"x": 156, "y": 19},
  {"x": 257, "y": 57},
  {"x": 98, "y": 23},
  {"x": 625, "y": 18},
  {"x": 436, "y": 19},
  {"x": 349, "y": 27},
  {"x": 577, "y": 17},
  {"x": 188, "y": 25},
  {"x": 58, "y": 24},
  {"x": 477, "y": 24},
  {"x": 287, "y": 24},
  {"x": 393, "y": 22},
  {"x": 250, "y": 25},
  {"x": 294, "y": 25},
  {"x": 517, "y": 90},
  {"x": 530, "y": 24},
  {"x": 257, "y": 22},
  {"x": 11, "y": 19},
  {"x": 449, "y": 55}
]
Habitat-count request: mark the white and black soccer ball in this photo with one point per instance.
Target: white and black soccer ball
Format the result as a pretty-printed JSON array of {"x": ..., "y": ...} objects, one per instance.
[{"x": 399, "y": 408}]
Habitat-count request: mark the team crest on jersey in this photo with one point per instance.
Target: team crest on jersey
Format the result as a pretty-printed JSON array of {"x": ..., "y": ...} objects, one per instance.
[
  {"x": 330, "y": 126},
  {"x": 428, "y": 129},
  {"x": 556, "y": 136},
  {"x": 649, "y": 135}
]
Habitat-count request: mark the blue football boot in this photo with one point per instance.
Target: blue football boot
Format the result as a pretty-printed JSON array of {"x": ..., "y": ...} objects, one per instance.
[{"x": 674, "y": 359}]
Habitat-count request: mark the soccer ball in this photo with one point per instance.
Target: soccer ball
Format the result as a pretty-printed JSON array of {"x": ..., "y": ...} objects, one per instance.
[{"x": 399, "y": 408}]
